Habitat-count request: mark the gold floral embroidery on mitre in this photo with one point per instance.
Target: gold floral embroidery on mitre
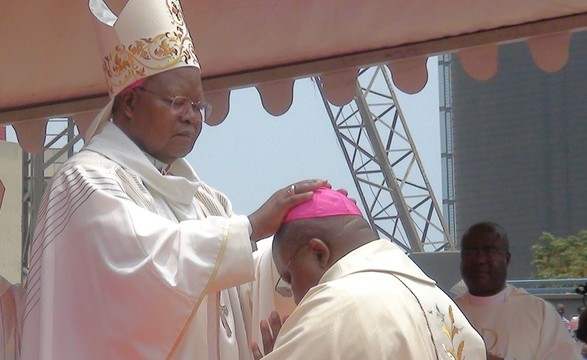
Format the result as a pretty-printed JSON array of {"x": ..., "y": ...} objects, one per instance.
[
  {"x": 127, "y": 63},
  {"x": 456, "y": 348}
]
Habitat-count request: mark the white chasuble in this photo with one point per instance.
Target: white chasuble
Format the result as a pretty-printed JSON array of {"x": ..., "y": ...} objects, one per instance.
[
  {"x": 374, "y": 304},
  {"x": 10, "y": 319},
  {"x": 127, "y": 263},
  {"x": 517, "y": 325}
]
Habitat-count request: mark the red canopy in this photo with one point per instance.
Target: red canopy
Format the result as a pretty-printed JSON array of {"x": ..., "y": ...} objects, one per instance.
[{"x": 51, "y": 66}]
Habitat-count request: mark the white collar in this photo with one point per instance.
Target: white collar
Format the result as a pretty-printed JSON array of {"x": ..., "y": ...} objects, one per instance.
[
  {"x": 496, "y": 299},
  {"x": 159, "y": 165},
  {"x": 178, "y": 188}
]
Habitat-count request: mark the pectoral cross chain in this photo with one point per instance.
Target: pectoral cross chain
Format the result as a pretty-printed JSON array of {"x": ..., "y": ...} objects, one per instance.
[{"x": 223, "y": 314}]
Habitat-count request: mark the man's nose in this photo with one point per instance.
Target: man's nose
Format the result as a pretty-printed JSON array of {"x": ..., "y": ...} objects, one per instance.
[{"x": 192, "y": 115}]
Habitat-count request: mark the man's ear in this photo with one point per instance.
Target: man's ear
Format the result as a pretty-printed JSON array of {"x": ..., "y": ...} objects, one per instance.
[
  {"x": 321, "y": 252},
  {"x": 128, "y": 104}
]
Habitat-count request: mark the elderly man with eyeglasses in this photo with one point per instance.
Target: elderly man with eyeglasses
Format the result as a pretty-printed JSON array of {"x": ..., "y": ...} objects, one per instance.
[
  {"x": 135, "y": 257},
  {"x": 513, "y": 323},
  {"x": 357, "y": 296}
]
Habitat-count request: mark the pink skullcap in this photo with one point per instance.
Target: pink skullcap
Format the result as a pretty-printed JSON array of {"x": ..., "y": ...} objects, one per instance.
[
  {"x": 325, "y": 202},
  {"x": 134, "y": 85}
]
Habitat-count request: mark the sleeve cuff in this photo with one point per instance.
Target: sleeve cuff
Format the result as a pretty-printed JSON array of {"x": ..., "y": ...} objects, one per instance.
[{"x": 250, "y": 229}]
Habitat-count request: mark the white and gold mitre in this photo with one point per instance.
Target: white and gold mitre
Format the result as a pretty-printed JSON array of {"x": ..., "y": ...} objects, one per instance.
[{"x": 146, "y": 38}]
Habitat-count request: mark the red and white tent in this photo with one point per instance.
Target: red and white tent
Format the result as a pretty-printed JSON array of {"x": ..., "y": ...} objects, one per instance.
[{"x": 50, "y": 63}]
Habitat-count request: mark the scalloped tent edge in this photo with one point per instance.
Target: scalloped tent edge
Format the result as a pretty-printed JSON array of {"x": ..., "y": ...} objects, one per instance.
[{"x": 30, "y": 96}]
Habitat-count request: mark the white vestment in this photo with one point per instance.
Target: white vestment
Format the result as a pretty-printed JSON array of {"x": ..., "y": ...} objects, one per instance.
[
  {"x": 520, "y": 326},
  {"x": 374, "y": 304},
  {"x": 127, "y": 263},
  {"x": 10, "y": 319}
]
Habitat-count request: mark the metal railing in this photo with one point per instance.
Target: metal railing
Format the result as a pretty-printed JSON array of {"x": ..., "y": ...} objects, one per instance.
[{"x": 550, "y": 286}]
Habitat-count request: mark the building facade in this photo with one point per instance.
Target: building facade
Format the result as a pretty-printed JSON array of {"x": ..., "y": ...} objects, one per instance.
[{"x": 520, "y": 149}]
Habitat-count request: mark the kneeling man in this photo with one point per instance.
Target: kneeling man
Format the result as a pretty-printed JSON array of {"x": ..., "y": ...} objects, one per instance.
[{"x": 357, "y": 296}]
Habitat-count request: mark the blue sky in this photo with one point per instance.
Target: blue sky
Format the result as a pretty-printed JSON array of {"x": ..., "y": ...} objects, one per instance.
[{"x": 252, "y": 153}]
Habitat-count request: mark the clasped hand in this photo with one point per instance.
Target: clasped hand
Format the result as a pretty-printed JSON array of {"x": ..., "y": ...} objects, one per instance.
[{"x": 269, "y": 330}]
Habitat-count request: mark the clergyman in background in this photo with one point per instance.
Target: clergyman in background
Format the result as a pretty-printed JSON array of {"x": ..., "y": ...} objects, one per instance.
[{"x": 513, "y": 323}]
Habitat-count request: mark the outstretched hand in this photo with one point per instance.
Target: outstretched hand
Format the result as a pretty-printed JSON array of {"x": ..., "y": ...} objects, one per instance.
[
  {"x": 266, "y": 220},
  {"x": 269, "y": 331}
]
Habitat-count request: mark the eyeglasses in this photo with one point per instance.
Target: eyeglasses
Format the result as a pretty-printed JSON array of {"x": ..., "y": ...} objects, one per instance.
[
  {"x": 179, "y": 105},
  {"x": 281, "y": 286}
]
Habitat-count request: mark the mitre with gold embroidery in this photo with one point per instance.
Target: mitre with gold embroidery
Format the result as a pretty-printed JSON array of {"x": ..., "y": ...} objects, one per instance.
[{"x": 146, "y": 38}]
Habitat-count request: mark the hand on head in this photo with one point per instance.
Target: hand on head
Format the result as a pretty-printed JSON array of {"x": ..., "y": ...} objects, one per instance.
[
  {"x": 266, "y": 220},
  {"x": 346, "y": 193},
  {"x": 315, "y": 235}
]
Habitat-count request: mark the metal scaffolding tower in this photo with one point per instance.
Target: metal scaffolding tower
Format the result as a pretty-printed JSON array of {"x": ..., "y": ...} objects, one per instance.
[
  {"x": 447, "y": 146},
  {"x": 385, "y": 165},
  {"x": 38, "y": 169}
]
